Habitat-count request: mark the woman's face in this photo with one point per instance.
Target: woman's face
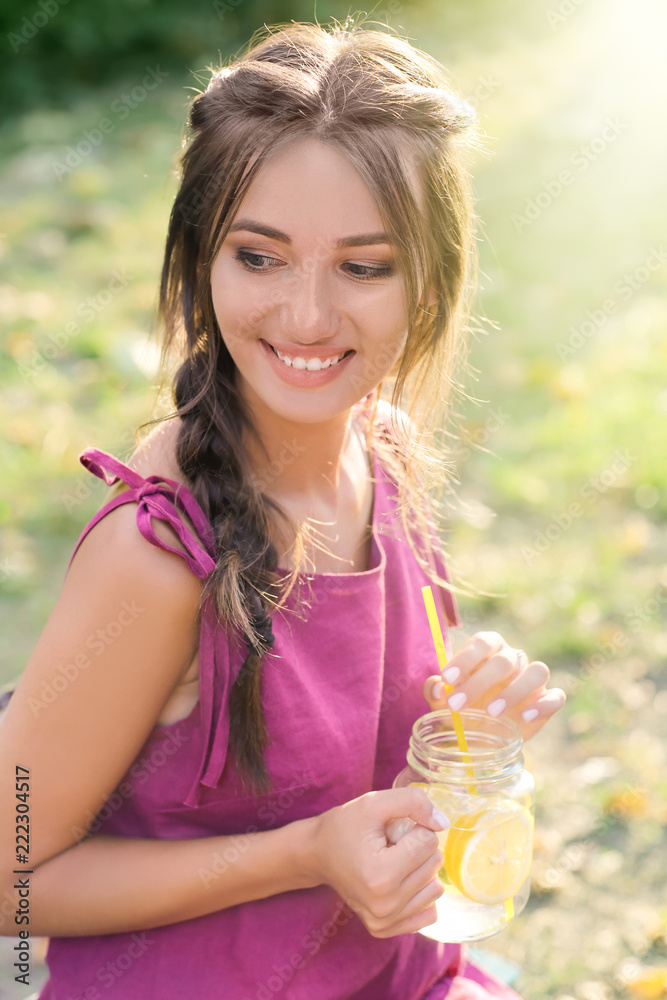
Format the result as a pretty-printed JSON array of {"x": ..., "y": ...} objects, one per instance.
[{"x": 306, "y": 272}]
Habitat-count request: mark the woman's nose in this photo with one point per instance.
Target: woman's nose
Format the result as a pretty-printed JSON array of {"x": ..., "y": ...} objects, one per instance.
[{"x": 309, "y": 311}]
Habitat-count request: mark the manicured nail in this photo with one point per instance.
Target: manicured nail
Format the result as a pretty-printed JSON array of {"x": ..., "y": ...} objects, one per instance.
[
  {"x": 497, "y": 706},
  {"x": 437, "y": 689},
  {"x": 440, "y": 819},
  {"x": 451, "y": 675},
  {"x": 529, "y": 714},
  {"x": 457, "y": 701}
]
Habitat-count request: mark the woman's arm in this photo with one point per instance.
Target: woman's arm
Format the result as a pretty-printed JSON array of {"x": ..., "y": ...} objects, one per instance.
[
  {"x": 107, "y": 885},
  {"x": 81, "y": 712}
]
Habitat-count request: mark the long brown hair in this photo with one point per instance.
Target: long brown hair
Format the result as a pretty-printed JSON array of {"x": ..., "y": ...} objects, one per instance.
[{"x": 391, "y": 110}]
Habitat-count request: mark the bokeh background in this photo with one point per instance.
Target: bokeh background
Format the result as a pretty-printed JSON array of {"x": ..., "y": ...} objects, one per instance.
[{"x": 558, "y": 520}]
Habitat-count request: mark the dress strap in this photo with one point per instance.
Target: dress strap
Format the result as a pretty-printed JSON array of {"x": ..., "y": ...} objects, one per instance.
[
  {"x": 163, "y": 498},
  {"x": 157, "y": 497}
]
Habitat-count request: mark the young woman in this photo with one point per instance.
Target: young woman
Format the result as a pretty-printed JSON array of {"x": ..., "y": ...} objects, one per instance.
[{"x": 214, "y": 714}]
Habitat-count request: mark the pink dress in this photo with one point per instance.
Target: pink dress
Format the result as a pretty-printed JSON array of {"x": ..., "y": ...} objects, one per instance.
[{"x": 341, "y": 690}]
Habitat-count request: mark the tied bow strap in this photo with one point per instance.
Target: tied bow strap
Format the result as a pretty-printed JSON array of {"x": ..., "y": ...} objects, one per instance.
[{"x": 157, "y": 497}]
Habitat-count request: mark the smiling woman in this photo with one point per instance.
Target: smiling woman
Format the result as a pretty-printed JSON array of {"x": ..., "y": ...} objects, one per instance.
[{"x": 216, "y": 780}]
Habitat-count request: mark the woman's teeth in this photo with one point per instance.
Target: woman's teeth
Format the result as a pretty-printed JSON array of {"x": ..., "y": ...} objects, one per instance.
[{"x": 313, "y": 365}]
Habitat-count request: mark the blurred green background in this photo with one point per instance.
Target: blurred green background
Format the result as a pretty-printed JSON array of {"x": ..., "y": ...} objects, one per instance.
[{"x": 560, "y": 513}]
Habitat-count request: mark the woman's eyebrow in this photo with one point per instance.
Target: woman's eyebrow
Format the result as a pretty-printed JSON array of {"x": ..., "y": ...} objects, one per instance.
[{"x": 360, "y": 240}]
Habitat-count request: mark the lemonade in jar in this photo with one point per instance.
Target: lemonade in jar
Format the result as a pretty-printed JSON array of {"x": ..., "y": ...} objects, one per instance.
[{"x": 488, "y": 797}]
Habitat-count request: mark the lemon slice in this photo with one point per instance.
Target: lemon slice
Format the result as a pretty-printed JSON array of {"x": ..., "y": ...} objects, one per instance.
[{"x": 488, "y": 853}]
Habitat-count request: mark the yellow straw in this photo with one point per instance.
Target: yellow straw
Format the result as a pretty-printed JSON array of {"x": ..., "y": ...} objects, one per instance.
[{"x": 439, "y": 644}]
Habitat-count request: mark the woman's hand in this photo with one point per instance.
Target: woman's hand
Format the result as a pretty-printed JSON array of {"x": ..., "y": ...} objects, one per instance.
[
  {"x": 391, "y": 887},
  {"x": 488, "y": 674}
]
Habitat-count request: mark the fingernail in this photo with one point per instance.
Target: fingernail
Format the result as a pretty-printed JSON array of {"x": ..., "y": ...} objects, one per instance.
[
  {"x": 497, "y": 706},
  {"x": 457, "y": 701},
  {"x": 440, "y": 819},
  {"x": 451, "y": 675},
  {"x": 437, "y": 689},
  {"x": 529, "y": 714}
]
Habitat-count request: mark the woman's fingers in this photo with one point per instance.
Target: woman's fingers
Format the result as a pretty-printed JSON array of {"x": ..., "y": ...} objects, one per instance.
[
  {"x": 531, "y": 715},
  {"x": 525, "y": 685},
  {"x": 413, "y": 912},
  {"x": 489, "y": 674},
  {"x": 411, "y": 924},
  {"x": 495, "y": 674},
  {"x": 476, "y": 651},
  {"x": 471, "y": 655},
  {"x": 475, "y": 685}
]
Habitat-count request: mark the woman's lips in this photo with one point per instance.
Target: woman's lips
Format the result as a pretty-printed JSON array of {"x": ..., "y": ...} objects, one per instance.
[
  {"x": 308, "y": 353},
  {"x": 302, "y": 377}
]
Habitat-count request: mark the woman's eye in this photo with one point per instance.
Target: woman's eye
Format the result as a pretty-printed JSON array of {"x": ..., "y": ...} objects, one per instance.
[
  {"x": 250, "y": 260},
  {"x": 368, "y": 271}
]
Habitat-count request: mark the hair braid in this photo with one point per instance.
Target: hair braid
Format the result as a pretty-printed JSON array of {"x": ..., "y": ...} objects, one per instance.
[{"x": 245, "y": 573}]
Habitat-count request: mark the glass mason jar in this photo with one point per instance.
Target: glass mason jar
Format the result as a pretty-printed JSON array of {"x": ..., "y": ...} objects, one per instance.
[{"x": 488, "y": 797}]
